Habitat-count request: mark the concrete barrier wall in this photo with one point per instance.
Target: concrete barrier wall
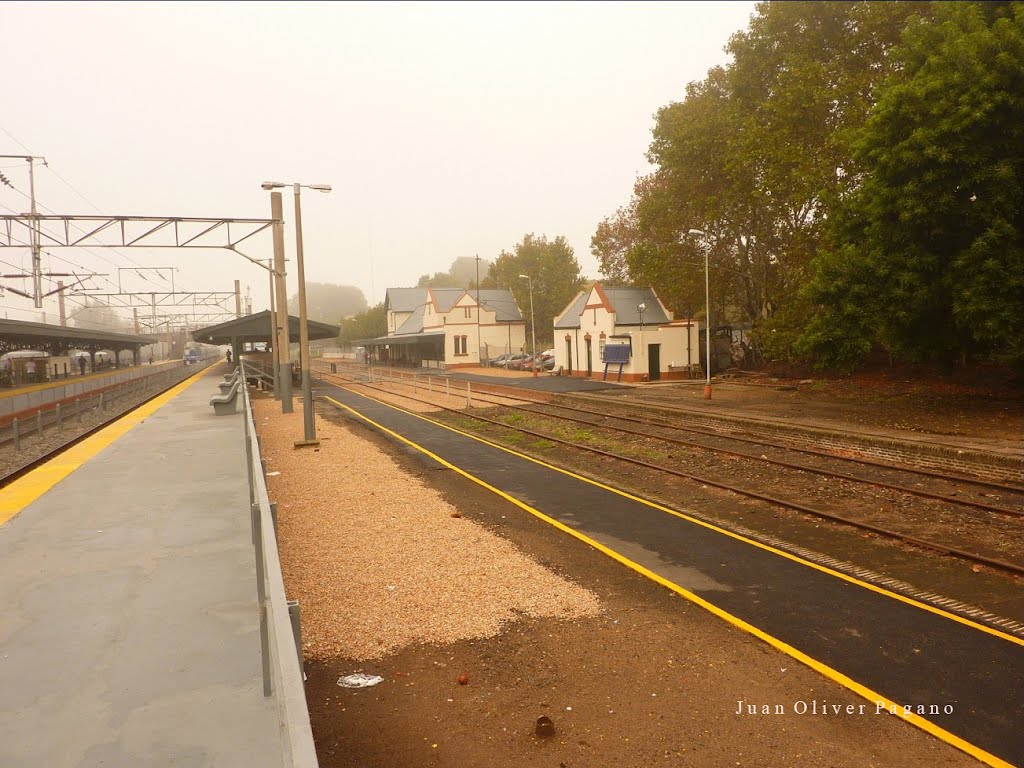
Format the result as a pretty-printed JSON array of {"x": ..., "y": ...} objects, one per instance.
[
  {"x": 79, "y": 387},
  {"x": 283, "y": 673}
]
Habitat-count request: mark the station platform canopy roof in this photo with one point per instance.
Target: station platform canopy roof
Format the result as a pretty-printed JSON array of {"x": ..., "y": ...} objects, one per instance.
[
  {"x": 256, "y": 328},
  {"x": 405, "y": 338},
  {"x": 55, "y": 339}
]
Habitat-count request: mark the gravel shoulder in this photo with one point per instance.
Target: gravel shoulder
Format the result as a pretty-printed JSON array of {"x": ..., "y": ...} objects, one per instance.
[{"x": 630, "y": 673}]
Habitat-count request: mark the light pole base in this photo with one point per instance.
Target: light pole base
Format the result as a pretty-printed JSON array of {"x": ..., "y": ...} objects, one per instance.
[
  {"x": 707, "y": 391},
  {"x": 305, "y": 443}
]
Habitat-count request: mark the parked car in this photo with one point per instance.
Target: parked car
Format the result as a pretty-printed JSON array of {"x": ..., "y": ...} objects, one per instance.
[
  {"x": 513, "y": 361},
  {"x": 501, "y": 361},
  {"x": 523, "y": 364}
]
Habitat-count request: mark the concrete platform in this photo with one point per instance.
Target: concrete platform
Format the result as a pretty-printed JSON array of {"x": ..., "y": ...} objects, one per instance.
[{"x": 130, "y": 630}]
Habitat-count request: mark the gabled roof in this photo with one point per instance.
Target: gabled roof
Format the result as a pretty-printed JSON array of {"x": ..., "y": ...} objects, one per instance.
[
  {"x": 571, "y": 316},
  {"x": 413, "y": 324},
  {"x": 499, "y": 300},
  {"x": 622, "y": 301},
  {"x": 405, "y": 299},
  {"x": 445, "y": 298}
]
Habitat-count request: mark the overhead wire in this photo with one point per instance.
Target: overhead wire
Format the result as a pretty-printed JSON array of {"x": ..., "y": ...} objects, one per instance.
[{"x": 49, "y": 166}]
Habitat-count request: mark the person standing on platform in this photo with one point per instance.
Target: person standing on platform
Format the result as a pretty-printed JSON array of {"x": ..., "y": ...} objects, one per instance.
[
  {"x": 81, "y": 365},
  {"x": 229, "y": 356}
]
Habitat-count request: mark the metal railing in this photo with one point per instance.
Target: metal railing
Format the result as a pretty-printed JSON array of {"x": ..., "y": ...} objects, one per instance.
[
  {"x": 280, "y": 639},
  {"x": 113, "y": 398}
]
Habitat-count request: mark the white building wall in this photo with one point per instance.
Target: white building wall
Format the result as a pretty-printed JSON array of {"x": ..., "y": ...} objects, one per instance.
[{"x": 597, "y": 320}]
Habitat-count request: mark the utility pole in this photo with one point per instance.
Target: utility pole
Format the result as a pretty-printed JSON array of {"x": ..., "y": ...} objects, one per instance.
[
  {"x": 284, "y": 368},
  {"x": 33, "y": 228},
  {"x": 37, "y": 259},
  {"x": 478, "y": 342},
  {"x": 60, "y": 302},
  {"x": 238, "y": 300},
  {"x": 273, "y": 330}
]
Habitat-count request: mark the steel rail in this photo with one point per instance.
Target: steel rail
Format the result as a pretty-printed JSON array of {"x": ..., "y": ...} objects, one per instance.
[
  {"x": 924, "y": 543},
  {"x": 994, "y": 508}
]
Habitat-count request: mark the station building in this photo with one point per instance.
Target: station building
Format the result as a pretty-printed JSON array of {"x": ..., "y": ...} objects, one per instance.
[
  {"x": 448, "y": 327},
  {"x": 626, "y": 334}
]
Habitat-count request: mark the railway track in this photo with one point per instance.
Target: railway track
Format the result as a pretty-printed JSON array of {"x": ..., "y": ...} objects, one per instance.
[
  {"x": 97, "y": 413},
  {"x": 662, "y": 432}
]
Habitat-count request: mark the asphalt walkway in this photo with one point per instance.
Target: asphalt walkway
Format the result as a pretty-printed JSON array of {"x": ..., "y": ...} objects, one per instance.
[
  {"x": 129, "y": 635},
  {"x": 969, "y": 679}
]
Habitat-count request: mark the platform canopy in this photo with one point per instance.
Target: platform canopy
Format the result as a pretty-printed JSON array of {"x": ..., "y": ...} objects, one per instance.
[
  {"x": 58, "y": 339},
  {"x": 256, "y": 329}
]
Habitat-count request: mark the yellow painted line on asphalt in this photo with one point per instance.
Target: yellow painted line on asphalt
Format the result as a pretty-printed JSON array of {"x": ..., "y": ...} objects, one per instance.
[
  {"x": 861, "y": 690},
  {"x": 713, "y": 527},
  {"x": 23, "y": 491}
]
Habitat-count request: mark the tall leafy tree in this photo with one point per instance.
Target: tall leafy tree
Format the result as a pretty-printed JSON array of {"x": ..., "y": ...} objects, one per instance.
[
  {"x": 928, "y": 249},
  {"x": 329, "y": 303},
  {"x": 461, "y": 274},
  {"x": 553, "y": 270},
  {"x": 756, "y": 155},
  {"x": 369, "y": 324}
]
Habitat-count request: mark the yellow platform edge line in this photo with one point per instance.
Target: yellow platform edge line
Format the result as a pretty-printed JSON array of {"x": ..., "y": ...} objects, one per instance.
[
  {"x": 25, "y": 490},
  {"x": 820, "y": 667},
  {"x": 711, "y": 526}
]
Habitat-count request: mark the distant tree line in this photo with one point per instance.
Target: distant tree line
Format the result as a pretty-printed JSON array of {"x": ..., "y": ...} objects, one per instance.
[{"x": 858, "y": 172}]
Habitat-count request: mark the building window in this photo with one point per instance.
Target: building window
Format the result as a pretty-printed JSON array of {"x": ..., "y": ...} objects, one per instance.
[
  {"x": 600, "y": 349},
  {"x": 460, "y": 345},
  {"x": 465, "y": 310}
]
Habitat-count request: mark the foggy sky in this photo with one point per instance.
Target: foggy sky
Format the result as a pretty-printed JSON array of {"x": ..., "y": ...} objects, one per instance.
[{"x": 445, "y": 129}]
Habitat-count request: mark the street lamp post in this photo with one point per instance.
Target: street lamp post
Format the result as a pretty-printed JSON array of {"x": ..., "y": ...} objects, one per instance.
[
  {"x": 641, "y": 308},
  {"x": 533, "y": 327},
  {"x": 307, "y": 393},
  {"x": 707, "y": 304}
]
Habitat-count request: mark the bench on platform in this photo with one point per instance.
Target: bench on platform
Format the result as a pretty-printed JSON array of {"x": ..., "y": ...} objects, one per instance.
[
  {"x": 225, "y": 386},
  {"x": 224, "y": 404}
]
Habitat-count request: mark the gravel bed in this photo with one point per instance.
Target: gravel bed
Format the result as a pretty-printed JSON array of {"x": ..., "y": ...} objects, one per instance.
[{"x": 379, "y": 560}]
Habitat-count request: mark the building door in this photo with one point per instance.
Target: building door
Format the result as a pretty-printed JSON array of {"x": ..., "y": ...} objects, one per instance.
[
  {"x": 590, "y": 364},
  {"x": 653, "y": 362},
  {"x": 568, "y": 354}
]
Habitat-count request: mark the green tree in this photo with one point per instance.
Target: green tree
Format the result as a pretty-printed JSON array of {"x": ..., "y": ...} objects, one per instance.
[
  {"x": 928, "y": 248},
  {"x": 438, "y": 280},
  {"x": 555, "y": 274},
  {"x": 369, "y": 324},
  {"x": 461, "y": 274},
  {"x": 756, "y": 155},
  {"x": 99, "y": 317},
  {"x": 329, "y": 303}
]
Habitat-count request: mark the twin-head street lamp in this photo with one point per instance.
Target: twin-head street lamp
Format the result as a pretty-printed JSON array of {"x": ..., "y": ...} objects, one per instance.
[
  {"x": 533, "y": 328},
  {"x": 307, "y": 392},
  {"x": 707, "y": 304}
]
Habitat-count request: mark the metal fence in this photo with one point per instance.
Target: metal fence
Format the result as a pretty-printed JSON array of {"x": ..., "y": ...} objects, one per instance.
[
  {"x": 280, "y": 638},
  {"x": 113, "y": 399}
]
